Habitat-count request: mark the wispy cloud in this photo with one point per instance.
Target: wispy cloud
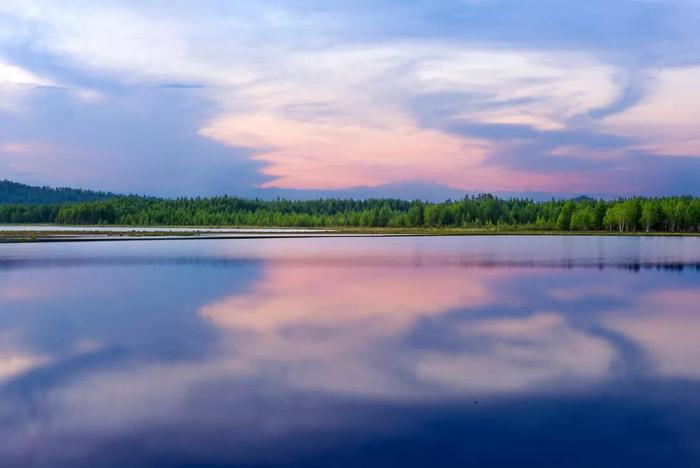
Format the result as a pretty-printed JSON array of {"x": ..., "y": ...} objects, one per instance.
[{"x": 492, "y": 95}]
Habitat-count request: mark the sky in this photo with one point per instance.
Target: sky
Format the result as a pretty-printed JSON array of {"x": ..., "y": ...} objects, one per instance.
[{"x": 414, "y": 98}]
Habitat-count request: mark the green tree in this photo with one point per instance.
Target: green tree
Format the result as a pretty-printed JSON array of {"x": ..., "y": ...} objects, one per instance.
[
  {"x": 415, "y": 214},
  {"x": 564, "y": 218},
  {"x": 651, "y": 215},
  {"x": 583, "y": 219}
]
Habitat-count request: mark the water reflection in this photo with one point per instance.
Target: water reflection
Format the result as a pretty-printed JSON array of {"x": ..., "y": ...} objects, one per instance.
[
  {"x": 665, "y": 324},
  {"x": 332, "y": 327},
  {"x": 350, "y": 352}
]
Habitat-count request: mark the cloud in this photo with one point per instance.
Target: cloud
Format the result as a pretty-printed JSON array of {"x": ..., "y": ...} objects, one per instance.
[
  {"x": 665, "y": 120},
  {"x": 15, "y": 364},
  {"x": 474, "y": 95},
  {"x": 11, "y": 75},
  {"x": 310, "y": 155},
  {"x": 15, "y": 82},
  {"x": 139, "y": 141},
  {"x": 370, "y": 136}
]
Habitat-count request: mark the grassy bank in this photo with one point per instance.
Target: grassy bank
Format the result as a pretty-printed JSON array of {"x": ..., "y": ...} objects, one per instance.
[{"x": 96, "y": 235}]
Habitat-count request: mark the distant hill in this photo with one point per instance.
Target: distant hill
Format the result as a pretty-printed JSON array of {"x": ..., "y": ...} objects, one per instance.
[{"x": 16, "y": 193}]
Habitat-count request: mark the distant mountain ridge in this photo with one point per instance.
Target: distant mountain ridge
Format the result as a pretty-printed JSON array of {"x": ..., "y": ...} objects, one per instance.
[
  {"x": 23, "y": 194},
  {"x": 17, "y": 193}
]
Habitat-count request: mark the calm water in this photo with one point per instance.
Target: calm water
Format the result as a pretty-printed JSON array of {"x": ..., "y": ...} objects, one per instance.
[{"x": 362, "y": 352}]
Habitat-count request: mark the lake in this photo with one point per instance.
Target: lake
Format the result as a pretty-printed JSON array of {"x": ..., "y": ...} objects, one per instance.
[{"x": 352, "y": 352}]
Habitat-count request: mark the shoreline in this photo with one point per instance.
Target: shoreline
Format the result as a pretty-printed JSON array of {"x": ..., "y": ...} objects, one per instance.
[{"x": 129, "y": 233}]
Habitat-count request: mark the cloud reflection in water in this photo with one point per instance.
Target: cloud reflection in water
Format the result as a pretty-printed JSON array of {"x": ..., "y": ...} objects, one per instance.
[{"x": 167, "y": 355}]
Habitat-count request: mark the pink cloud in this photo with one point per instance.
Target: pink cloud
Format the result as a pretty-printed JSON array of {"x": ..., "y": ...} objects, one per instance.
[{"x": 336, "y": 155}]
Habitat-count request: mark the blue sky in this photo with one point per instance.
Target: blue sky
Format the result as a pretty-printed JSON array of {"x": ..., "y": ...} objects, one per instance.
[{"x": 407, "y": 98}]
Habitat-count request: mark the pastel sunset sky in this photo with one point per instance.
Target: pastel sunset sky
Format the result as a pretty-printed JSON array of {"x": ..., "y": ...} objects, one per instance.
[{"x": 415, "y": 98}]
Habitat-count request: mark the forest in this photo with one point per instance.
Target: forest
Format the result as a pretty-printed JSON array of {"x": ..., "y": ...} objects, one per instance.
[
  {"x": 669, "y": 214},
  {"x": 14, "y": 192}
]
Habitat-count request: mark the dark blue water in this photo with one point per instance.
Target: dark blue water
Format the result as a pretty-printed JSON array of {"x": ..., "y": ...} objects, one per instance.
[{"x": 481, "y": 351}]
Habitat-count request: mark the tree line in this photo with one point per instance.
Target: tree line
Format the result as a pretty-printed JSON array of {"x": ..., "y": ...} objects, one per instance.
[
  {"x": 14, "y": 192},
  {"x": 670, "y": 214}
]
